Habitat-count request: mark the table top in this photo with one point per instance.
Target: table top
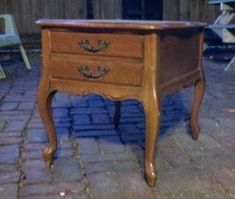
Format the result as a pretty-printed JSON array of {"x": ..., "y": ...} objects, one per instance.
[{"x": 119, "y": 24}]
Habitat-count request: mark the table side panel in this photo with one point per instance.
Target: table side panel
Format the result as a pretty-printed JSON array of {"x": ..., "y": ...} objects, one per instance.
[{"x": 180, "y": 56}]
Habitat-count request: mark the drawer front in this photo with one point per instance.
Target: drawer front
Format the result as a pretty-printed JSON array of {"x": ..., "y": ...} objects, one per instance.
[
  {"x": 97, "y": 43},
  {"x": 97, "y": 71}
]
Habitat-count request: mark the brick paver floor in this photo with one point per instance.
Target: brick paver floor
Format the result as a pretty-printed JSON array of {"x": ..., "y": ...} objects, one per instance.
[{"x": 96, "y": 161}]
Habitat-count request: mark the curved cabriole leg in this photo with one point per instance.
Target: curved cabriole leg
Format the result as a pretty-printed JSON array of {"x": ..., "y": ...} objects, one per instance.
[
  {"x": 152, "y": 114},
  {"x": 198, "y": 96},
  {"x": 117, "y": 113},
  {"x": 45, "y": 110}
]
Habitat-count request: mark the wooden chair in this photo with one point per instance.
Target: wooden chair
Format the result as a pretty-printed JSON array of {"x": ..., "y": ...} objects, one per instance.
[{"x": 9, "y": 37}]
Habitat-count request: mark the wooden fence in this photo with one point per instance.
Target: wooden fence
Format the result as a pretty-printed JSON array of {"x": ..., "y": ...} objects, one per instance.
[
  {"x": 195, "y": 10},
  {"x": 28, "y": 11}
]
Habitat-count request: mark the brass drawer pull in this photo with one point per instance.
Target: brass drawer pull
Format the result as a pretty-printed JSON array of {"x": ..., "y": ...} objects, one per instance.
[
  {"x": 85, "y": 71},
  {"x": 86, "y": 45}
]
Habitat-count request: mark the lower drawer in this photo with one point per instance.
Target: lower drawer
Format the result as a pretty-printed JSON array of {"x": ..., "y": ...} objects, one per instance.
[{"x": 108, "y": 71}]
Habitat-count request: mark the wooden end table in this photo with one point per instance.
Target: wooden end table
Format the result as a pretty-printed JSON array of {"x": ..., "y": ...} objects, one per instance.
[{"x": 121, "y": 59}]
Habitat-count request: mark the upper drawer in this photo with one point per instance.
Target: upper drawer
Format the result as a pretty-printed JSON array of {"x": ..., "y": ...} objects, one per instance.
[{"x": 98, "y": 44}]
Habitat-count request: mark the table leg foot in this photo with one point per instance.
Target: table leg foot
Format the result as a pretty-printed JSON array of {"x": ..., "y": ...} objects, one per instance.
[
  {"x": 195, "y": 131},
  {"x": 150, "y": 174},
  {"x": 198, "y": 96},
  {"x": 48, "y": 156}
]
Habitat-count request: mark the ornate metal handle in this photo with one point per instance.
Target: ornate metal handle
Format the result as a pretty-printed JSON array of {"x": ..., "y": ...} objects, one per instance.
[
  {"x": 85, "y": 71},
  {"x": 86, "y": 45}
]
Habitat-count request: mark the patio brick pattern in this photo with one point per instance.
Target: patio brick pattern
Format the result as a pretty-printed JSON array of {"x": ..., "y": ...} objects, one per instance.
[{"x": 96, "y": 161}]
